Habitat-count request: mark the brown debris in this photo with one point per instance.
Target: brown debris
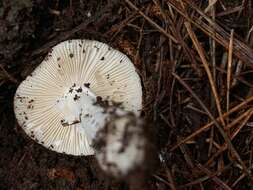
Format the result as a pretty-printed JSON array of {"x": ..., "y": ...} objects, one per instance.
[{"x": 64, "y": 173}]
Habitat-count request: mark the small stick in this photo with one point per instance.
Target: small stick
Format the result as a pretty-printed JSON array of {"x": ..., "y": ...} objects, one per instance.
[
  {"x": 222, "y": 132},
  {"x": 241, "y": 49},
  {"x": 224, "y": 146},
  {"x": 151, "y": 21},
  {"x": 205, "y": 127},
  {"x": 230, "y": 59},
  {"x": 211, "y": 8},
  {"x": 206, "y": 66},
  {"x": 11, "y": 78}
]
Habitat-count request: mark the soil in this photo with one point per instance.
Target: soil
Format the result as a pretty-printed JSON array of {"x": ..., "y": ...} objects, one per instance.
[{"x": 30, "y": 28}]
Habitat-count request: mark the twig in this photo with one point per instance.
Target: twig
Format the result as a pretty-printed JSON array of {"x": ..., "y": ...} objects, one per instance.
[
  {"x": 139, "y": 43},
  {"x": 209, "y": 175},
  {"x": 65, "y": 35},
  {"x": 238, "y": 179},
  {"x": 214, "y": 178},
  {"x": 205, "y": 63},
  {"x": 211, "y": 8},
  {"x": 222, "y": 132},
  {"x": 230, "y": 59},
  {"x": 224, "y": 146},
  {"x": 170, "y": 179},
  {"x": 241, "y": 50},
  {"x": 11, "y": 78},
  {"x": 118, "y": 27},
  {"x": 151, "y": 22},
  {"x": 162, "y": 180},
  {"x": 205, "y": 127}
]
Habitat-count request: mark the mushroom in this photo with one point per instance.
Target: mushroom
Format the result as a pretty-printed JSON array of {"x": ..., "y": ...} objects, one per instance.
[
  {"x": 121, "y": 146},
  {"x": 57, "y": 104}
]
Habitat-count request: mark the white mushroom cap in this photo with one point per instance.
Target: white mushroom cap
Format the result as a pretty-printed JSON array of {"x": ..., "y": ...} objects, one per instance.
[
  {"x": 55, "y": 104},
  {"x": 121, "y": 145}
]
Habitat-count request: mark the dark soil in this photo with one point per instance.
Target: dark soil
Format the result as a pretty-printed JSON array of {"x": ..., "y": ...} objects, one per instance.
[
  {"x": 28, "y": 29},
  {"x": 165, "y": 58}
]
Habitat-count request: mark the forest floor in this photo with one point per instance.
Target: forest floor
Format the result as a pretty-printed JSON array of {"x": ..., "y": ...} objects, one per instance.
[{"x": 195, "y": 61}]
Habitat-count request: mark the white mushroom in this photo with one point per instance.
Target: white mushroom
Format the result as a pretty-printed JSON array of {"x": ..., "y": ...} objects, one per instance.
[
  {"x": 55, "y": 104},
  {"x": 121, "y": 145}
]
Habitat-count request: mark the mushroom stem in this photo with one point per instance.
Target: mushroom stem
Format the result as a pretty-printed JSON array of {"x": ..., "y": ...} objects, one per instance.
[
  {"x": 78, "y": 109},
  {"x": 72, "y": 104},
  {"x": 121, "y": 145}
]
